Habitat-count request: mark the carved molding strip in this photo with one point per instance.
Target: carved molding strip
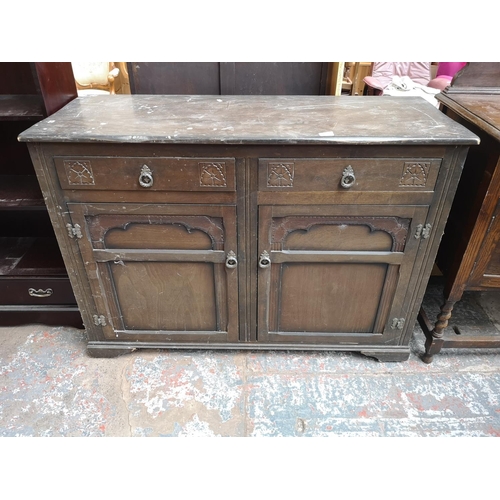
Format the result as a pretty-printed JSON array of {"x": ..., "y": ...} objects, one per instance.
[
  {"x": 415, "y": 174},
  {"x": 396, "y": 227},
  {"x": 99, "y": 225},
  {"x": 213, "y": 174},
  {"x": 280, "y": 174},
  {"x": 79, "y": 173}
]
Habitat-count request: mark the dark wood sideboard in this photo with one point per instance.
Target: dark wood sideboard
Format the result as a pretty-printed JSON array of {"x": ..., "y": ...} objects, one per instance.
[
  {"x": 34, "y": 286},
  {"x": 469, "y": 255},
  {"x": 257, "y": 222}
]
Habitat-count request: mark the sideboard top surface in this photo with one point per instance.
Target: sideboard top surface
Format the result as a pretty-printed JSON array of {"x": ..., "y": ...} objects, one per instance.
[
  {"x": 249, "y": 120},
  {"x": 480, "y": 109}
]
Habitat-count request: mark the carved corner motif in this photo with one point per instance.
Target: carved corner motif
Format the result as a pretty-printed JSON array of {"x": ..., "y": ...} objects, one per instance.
[
  {"x": 213, "y": 174},
  {"x": 280, "y": 174},
  {"x": 415, "y": 174},
  {"x": 79, "y": 172}
]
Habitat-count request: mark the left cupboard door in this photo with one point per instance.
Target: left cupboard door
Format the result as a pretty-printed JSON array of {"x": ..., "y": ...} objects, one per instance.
[{"x": 161, "y": 273}]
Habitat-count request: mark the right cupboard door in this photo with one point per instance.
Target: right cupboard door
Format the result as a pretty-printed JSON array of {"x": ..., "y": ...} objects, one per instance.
[{"x": 336, "y": 275}]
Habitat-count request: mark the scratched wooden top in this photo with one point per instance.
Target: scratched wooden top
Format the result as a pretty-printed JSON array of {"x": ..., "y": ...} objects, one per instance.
[
  {"x": 481, "y": 110},
  {"x": 249, "y": 120}
]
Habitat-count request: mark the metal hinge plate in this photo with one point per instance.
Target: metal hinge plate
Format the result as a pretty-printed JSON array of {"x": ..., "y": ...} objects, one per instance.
[
  {"x": 75, "y": 230},
  {"x": 99, "y": 320},
  {"x": 423, "y": 231},
  {"x": 397, "y": 323}
]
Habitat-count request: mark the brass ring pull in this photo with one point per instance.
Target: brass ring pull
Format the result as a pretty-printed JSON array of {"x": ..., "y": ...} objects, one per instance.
[
  {"x": 348, "y": 178},
  {"x": 231, "y": 260},
  {"x": 40, "y": 293},
  {"x": 146, "y": 177},
  {"x": 264, "y": 260}
]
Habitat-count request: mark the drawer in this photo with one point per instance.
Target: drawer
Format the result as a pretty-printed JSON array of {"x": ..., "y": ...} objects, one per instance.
[
  {"x": 348, "y": 174},
  {"x": 146, "y": 173},
  {"x": 36, "y": 291}
]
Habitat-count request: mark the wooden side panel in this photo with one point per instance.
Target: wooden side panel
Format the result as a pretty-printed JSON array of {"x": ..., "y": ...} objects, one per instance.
[
  {"x": 493, "y": 267},
  {"x": 174, "y": 78},
  {"x": 57, "y": 84},
  {"x": 274, "y": 78},
  {"x": 487, "y": 271}
]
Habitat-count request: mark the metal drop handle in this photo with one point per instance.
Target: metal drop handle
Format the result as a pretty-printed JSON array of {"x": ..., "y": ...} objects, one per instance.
[
  {"x": 264, "y": 260},
  {"x": 348, "y": 178},
  {"x": 231, "y": 260},
  {"x": 146, "y": 177},
  {"x": 40, "y": 293}
]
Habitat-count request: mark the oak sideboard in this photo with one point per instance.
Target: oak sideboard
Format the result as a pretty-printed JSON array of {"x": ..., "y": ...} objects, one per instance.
[{"x": 257, "y": 222}]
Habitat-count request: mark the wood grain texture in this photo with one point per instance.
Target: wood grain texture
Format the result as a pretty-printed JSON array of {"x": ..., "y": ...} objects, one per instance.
[
  {"x": 213, "y": 78},
  {"x": 249, "y": 119},
  {"x": 330, "y": 298},
  {"x": 470, "y": 247},
  {"x": 28, "y": 93}
]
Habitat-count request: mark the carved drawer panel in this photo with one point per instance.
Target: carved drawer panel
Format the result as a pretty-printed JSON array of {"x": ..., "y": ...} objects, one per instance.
[
  {"x": 146, "y": 174},
  {"x": 348, "y": 174}
]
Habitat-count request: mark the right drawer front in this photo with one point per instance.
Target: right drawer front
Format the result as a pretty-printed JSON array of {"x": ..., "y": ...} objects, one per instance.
[{"x": 366, "y": 174}]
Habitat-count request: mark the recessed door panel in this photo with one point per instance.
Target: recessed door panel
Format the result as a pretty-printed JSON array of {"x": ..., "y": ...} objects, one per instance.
[
  {"x": 325, "y": 297},
  {"x": 172, "y": 296}
]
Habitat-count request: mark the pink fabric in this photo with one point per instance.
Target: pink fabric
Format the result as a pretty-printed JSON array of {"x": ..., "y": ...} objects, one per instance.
[
  {"x": 448, "y": 69},
  {"x": 373, "y": 82},
  {"x": 419, "y": 72},
  {"x": 440, "y": 83},
  {"x": 445, "y": 73}
]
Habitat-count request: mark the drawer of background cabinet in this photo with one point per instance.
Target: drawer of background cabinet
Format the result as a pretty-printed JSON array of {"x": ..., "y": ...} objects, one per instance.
[
  {"x": 349, "y": 174},
  {"x": 35, "y": 291},
  {"x": 146, "y": 173}
]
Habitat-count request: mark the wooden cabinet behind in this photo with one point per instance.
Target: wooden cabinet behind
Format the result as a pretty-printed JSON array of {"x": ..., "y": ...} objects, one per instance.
[
  {"x": 232, "y": 223},
  {"x": 469, "y": 255},
  {"x": 34, "y": 286},
  {"x": 229, "y": 78}
]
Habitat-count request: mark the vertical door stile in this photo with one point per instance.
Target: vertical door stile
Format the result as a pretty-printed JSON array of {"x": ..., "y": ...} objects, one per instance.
[{"x": 264, "y": 274}]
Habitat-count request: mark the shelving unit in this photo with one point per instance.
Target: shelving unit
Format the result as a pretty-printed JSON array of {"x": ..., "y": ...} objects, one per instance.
[{"x": 34, "y": 286}]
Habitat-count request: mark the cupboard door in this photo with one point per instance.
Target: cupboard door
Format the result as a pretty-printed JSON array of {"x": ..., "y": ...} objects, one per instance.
[
  {"x": 161, "y": 273},
  {"x": 326, "y": 276},
  {"x": 486, "y": 271}
]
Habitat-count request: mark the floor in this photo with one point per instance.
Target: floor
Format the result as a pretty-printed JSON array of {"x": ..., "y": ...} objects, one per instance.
[{"x": 50, "y": 387}]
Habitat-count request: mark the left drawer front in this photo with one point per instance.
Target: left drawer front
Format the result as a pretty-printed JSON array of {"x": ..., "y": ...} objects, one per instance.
[
  {"x": 33, "y": 291},
  {"x": 146, "y": 173}
]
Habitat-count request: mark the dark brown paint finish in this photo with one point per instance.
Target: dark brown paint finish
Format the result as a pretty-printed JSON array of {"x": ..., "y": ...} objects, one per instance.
[
  {"x": 469, "y": 255},
  {"x": 254, "y": 222},
  {"x": 34, "y": 286}
]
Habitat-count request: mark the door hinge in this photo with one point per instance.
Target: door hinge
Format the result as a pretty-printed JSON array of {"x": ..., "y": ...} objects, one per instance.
[
  {"x": 99, "y": 320},
  {"x": 423, "y": 231},
  {"x": 75, "y": 230},
  {"x": 398, "y": 323}
]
